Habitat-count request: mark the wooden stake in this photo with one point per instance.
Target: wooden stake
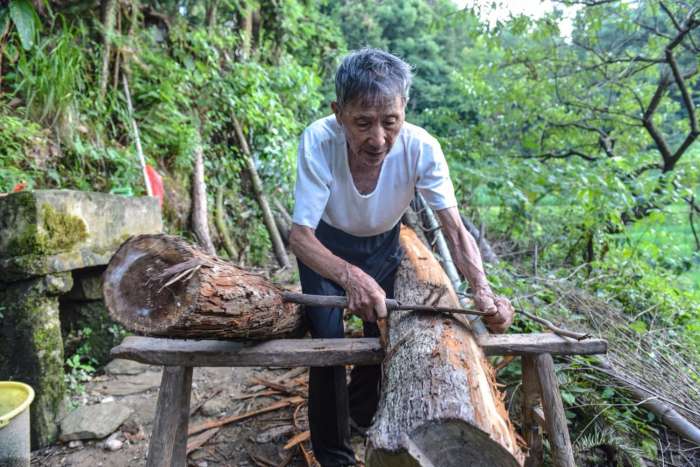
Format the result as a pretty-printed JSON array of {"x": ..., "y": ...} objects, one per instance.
[
  {"x": 557, "y": 430},
  {"x": 531, "y": 399},
  {"x": 168, "y": 444}
]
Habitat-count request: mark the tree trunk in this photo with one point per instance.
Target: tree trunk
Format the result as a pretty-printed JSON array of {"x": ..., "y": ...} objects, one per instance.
[
  {"x": 161, "y": 285},
  {"x": 220, "y": 220},
  {"x": 439, "y": 404},
  {"x": 487, "y": 253},
  {"x": 200, "y": 218},
  {"x": 268, "y": 218}
]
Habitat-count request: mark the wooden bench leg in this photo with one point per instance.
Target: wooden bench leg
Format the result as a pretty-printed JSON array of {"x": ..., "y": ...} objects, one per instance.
[
  {"x": 562, "y": 454},
  {"x": 531, "y": 400},
  {"x": 168, "y": 444}
]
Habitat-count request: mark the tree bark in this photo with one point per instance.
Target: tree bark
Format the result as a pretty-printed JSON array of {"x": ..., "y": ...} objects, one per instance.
[
  {"x": 160, "y": 285},
  {"x": 200, "y": 219},
  {"x": 220, "y": 219},
  {"x": 439, "y": 404}
]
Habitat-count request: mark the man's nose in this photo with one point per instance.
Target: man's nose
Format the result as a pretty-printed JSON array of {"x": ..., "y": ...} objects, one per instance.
[{"x": 377, "y": 136}]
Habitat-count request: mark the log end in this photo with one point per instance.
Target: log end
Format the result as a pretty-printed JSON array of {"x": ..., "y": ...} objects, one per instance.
[
  {"x": 447, "y": 443},
  {"x": 134, "y": 290}
]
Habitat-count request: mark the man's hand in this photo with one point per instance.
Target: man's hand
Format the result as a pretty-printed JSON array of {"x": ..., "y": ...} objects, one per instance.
[
  {"x": 485, "y": 300},
  {"x": 366, "y": 298}
]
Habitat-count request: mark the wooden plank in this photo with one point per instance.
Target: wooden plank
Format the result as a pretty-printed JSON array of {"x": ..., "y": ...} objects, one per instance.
[
  {"x": 557, "y": 430},
  {"x": 531, "y": 399},
  {"x": 321, "y": 352},
  {"x": 282, "y": 353},
  {"x": 168, "y": 443},
  {"x": 534, "y": 343}
]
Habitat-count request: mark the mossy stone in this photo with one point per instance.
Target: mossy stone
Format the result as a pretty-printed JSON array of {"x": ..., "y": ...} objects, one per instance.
[
  {"x": 32, "y": 350},
  {"x": 49, "y": 231}
]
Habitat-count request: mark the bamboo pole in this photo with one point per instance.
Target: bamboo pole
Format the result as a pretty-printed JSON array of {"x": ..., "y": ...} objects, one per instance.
[
  {"x": 446, "y": 260},
  {"x": 137, "y": 137}
]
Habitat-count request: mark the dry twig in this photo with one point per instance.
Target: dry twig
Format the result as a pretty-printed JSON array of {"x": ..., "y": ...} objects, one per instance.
[{"x": 236, "y": 418}]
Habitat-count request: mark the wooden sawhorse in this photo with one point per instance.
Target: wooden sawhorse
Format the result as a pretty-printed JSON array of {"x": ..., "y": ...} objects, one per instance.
[{"x": 178, "y": 356}]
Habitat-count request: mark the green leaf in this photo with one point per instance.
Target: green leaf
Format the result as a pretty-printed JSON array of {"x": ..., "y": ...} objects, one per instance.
[
  {"x": 639, "y": 326},
  {"x": 4, "y": 21},
  {"x": 567, "y": 397},
  {"x": 23, "y": 15}
]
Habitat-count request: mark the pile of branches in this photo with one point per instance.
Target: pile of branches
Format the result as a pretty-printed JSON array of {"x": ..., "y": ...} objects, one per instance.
[{"x": 653, "y": 367}]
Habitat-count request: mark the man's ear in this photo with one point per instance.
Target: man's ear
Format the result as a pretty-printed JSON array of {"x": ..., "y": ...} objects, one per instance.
[{"x": 336, "y": 110}]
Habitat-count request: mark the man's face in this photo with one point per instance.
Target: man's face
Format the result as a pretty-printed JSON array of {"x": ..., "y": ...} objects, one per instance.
[{"x": 371, "y": 130}]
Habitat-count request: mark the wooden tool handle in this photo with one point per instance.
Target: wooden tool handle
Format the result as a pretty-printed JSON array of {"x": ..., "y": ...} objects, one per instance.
[{"x": 391, "y": 304}]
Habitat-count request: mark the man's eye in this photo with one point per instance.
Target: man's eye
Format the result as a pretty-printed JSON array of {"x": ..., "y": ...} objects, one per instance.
[
  {"x": 363, "y": 125},
  {"x": 391, "y": 122}
]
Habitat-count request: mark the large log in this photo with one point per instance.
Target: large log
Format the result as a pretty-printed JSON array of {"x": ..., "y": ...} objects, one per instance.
[
  {"x": 439, "y": 404},
  {"x": 160, "y": 285}
]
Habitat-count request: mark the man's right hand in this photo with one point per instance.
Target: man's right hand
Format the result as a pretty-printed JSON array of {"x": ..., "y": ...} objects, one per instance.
[{"x": 366, "y": 298}]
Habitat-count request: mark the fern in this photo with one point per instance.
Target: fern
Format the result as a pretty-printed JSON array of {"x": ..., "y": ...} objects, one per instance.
[{"x": 608, "y": 440}]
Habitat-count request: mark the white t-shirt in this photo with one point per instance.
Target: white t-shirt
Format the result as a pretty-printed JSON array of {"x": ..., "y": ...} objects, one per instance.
[{"x": 325, "y": 188}]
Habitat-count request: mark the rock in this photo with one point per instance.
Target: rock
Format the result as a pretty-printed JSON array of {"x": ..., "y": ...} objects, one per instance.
[
  {"x": 32, "y": 347},
  {"x": 48, "y": 231},
  {"x": 274, "y": 433},
  {"x": 93, "y": 421},
  {"x": 120, "y": 366},
  {"x": 144, "y": 406},
  {"x": 216, "y": 406},
  {"x": 87, "y": 285},
  {"x": 75, "y": 444},
  {"x": 113, "y": 444},
  {"x": 107, "y": 399},
  {"x": 125, "y": 385}
]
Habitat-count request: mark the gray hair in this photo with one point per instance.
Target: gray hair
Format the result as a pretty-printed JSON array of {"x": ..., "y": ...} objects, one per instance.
[{"x": 372, "y": 75}]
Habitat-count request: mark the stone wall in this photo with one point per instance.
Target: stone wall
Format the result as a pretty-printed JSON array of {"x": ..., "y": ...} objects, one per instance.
[{"x": 46, "y": 238}]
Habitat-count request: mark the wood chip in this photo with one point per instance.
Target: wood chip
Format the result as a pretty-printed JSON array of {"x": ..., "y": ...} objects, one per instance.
[
  {"x": 199, "y": 440},
  {"x": 298, "y": 438},
  {"x": 279, "y": 387},
  {"x": 257, "y": 394}
]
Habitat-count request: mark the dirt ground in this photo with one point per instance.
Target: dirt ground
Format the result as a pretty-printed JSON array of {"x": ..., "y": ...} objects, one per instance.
[{"x": 216, "y": 392}]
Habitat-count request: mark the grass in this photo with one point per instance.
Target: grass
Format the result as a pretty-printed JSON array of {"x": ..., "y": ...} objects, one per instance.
[
  {"x": 664, "y": 236},
  {"x": 669, "y": 233}
]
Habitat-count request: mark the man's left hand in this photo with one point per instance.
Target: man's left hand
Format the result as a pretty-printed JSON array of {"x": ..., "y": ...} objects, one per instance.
[{"x": 485, "y": 300}]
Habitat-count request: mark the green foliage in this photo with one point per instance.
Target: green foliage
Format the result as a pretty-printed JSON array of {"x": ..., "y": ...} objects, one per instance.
[
  {"x": 23, "y": 151},
  {"x": 24, "y": 18},
  {"x": 81, "y": 366},
  {"x": 50, "y": 77}
]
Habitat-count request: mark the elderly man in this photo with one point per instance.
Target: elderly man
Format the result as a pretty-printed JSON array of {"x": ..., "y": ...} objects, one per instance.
[{"x": 357, "y": 173}]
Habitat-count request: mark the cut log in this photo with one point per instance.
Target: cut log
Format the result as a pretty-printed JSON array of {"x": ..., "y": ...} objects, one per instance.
[
  {"x": 439, "y": 404},
  {"x": 161, "y": 285}
]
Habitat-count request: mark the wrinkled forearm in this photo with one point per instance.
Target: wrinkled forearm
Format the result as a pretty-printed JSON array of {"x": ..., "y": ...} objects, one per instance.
[{"x": 465, "y": 251}]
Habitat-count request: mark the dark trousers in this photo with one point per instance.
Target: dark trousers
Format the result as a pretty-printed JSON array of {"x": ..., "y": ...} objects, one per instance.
[{"x": 331, "y": 401}]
